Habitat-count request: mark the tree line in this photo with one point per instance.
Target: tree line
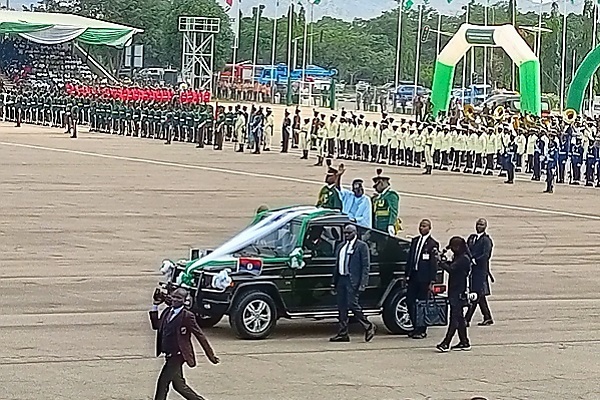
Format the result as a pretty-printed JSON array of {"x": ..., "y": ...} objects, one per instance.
[{"x": 362, "y": 49}]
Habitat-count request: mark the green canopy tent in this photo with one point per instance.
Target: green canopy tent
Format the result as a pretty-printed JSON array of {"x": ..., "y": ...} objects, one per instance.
[{"x": 52, "y": 28}]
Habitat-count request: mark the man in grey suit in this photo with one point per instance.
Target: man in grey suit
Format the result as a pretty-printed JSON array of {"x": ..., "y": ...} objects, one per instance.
[{"x": 350, "y": 278}]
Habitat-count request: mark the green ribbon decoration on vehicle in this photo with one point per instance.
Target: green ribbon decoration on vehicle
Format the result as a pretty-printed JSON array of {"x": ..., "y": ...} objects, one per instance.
[{"x": 297, "y": 258}]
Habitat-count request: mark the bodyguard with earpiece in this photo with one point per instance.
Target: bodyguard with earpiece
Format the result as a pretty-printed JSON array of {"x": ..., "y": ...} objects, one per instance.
[{"x": 458, "y": 267}]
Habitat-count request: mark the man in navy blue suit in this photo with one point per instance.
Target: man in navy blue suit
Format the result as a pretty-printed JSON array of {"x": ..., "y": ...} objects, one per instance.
[
  {"x": 421, "y": 271},
  {"x": 350, "y": 278},
  {"x": 480, "y": 245}
]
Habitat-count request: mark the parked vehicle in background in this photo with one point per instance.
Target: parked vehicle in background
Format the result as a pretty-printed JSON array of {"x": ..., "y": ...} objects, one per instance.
[{"x": 512, "y": 103}]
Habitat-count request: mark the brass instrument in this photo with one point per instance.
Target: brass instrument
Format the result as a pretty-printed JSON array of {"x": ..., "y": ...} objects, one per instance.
[
  {"x": 529, "y": 121},
  {"x": 516, "y": 122},
  {"x": 499, "y": 113},
  {"x": 469, "y": 112},
  {"x": 569, "y": 116}
]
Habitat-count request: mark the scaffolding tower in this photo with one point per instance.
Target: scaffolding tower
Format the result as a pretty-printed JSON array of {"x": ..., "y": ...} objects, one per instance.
[{"x": 197, "y": 61}]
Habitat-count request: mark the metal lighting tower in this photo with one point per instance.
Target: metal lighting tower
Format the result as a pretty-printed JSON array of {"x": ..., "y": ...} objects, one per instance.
[{"x": 197, "y": 60}]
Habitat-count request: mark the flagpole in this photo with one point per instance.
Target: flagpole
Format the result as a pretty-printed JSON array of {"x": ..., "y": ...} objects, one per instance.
[
  {"x": 563, "y": 58},
  {"x": 418, "y": 51},
  {"x": 304, "y": 43},
  {"x": 594, "y": 33},
  {"x": 512, "y": 64},
  {"x": 273, "y": 50},
  {"x": 289, "y": 54},
  {"x": 464, "y": 77},
  {"x": 312, "y": 25},
  {"x": 485, "y": 52},
  {"x": 255, "y": 51},
  {"x": 438, "y": 39},
  {"x": 236, "y": 40},
  {"x": 398, "y": 49}
]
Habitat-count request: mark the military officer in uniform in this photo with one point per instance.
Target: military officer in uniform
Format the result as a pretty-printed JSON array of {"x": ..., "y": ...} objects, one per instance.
[
  {"x": 329, "y": 196},
  {"x": 551, "y": 163},
  {"x": 385, "y": 205},
  {"x": 240, "y": 127},
  {"x": 269, "y": 125}
]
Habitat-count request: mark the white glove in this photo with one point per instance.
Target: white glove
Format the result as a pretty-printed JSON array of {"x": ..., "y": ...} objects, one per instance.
[{"x": 391, "y": 230}]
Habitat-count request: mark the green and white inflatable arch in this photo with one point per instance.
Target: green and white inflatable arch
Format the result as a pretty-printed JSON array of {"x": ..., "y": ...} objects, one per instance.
[{"x": 505, "y": 36}]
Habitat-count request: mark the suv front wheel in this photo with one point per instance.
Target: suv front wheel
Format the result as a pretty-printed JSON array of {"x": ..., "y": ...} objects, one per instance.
[
  {"x": 253, "y": 315},
  {"x": 208, "y": 321},
  {"x": 395, "y": 315}
]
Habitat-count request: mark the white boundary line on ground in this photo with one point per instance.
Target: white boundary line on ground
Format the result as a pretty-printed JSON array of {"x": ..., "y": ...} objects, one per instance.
[{"x": 300, "y": 180}]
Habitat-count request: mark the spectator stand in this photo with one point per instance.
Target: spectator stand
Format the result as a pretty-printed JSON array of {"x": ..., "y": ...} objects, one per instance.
[{"x": 38, "y": 49}]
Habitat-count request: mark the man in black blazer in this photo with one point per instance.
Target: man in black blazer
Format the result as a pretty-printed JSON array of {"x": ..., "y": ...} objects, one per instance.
[
  {"x": 350, "y": 278},
  {"x": 421, "y": 271},
  {"x": 480, "y": 245},
  {"x": 175, "y": 327}
]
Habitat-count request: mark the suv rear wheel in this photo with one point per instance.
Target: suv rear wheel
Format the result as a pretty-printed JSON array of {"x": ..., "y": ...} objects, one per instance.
[
  {"x": 253, "y": 315},
  {"x": 395, "y": 315}
]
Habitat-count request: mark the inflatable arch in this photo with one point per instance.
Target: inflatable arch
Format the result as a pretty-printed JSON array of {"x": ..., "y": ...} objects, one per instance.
[
  {"x": 582, "y": 78},
  {"x": 504, "y": 36}
]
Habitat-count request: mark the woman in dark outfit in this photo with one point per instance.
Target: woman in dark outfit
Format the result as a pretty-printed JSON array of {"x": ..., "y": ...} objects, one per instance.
[{"x": 458, "y": 269}]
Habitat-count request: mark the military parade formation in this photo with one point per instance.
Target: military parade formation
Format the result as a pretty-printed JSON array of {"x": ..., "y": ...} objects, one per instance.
[{"x": 565, "y": 148}]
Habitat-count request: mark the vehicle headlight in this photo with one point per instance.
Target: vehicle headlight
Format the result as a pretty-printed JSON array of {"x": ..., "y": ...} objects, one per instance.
[{"x": 222, "y": 280}]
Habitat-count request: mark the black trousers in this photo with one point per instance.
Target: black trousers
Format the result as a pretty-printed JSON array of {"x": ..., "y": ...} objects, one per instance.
[
  {"x": 416, "y": 291},
  {"x": 537, "y": 166},
  {"x": 457, "y": 323},
  {"x": 172, "y": 372},
  {"x": 483, "y": 307},
  {"x": 510, "y": 169},
  {"x": 347, "y": 299}
]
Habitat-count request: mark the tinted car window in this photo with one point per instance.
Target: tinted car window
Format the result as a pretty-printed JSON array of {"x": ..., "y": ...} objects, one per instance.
[{"x": 321, "y": 240}]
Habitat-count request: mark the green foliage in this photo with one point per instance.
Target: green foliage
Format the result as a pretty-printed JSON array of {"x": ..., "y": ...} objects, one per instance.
[
  {"x": 158, "y": 18},
  {"x": 359, "y": 50}
]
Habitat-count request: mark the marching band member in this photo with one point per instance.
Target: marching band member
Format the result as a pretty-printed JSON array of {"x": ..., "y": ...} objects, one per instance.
[
  {"x": 305, "y": 138},
  {"x": 428, "y": 138}
]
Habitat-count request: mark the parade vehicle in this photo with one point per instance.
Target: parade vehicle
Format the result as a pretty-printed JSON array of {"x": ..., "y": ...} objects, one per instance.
[{"x": 281, "y": 266}]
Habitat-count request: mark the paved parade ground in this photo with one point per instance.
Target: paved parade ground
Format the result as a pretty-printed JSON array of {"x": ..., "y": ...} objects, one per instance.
[{"x": 85, "y": 224}]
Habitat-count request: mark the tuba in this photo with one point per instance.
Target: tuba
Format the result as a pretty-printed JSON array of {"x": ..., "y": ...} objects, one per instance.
[
  {"x": 469, "y": 112},
  {"x": 499, "y": 113},
  {"x": 570, "y": 116}
]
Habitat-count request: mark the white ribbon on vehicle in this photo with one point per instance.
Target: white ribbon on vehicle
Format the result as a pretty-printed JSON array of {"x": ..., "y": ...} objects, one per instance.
[{"x": 255, "y": 232}]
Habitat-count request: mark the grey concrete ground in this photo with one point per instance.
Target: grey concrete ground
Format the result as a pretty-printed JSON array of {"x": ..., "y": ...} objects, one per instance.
[{"x": 86, "y": 222}]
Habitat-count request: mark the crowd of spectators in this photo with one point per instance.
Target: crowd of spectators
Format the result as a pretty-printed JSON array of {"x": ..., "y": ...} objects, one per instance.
[{"x": 41, "y": 66}]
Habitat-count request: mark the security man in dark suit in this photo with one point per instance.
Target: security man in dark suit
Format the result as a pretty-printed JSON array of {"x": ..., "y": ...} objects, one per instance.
[
  {"x": 350, "y": 278},
  {"x": 421, "y": 271},
  {"x": 175, "y": 327},
  {"x": 480, "y": 246}
]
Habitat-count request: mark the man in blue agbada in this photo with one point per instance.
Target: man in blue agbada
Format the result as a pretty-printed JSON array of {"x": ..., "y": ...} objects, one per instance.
[{"x": 354, "y": 202}]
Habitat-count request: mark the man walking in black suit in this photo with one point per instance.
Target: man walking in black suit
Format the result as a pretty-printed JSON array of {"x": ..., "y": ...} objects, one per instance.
[
  {"x": 175, "y": 327},
  {"x": 350, "y": 278},
  {"x": 421, "y": 271},
  {"x": 480, "y": 245}
]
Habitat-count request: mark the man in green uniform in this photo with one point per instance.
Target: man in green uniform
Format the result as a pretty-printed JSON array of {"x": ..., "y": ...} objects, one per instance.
[
  {"x": 74, "y": 117},
  {"x": 385, "y": 205},
  {"x": 329, "y": 196}
]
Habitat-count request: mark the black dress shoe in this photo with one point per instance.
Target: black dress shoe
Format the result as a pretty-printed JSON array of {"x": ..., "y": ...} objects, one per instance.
[
  {"x": 486, "y": 322},
  {"x": 370, "y": 333},
  {"x": 443, "y": 348},
  {"x": 419, "y": 336},
  {"x": 340, "y": 339},
  {"x": 461, "y": 347}
]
